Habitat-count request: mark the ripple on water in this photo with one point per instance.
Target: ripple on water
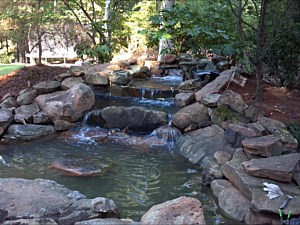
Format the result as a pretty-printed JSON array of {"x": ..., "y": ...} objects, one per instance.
[{"x": 138, "y": 180}]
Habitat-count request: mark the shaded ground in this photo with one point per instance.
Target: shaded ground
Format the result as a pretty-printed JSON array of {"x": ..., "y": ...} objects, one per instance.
[
  {"x": 22, "y": 78},
  {"x": 278, "y": 103}
]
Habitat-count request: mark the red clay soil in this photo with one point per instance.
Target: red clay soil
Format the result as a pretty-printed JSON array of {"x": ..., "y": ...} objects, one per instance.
[{"x": 278, "y": 103}]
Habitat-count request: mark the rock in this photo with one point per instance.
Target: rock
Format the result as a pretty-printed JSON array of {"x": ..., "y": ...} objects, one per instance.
[
  {"x": 6, "y": 118},
  {"x": 231, "y": 201},
  {"x": 235, "y": 134},
  {"x": 210, "y": 100},
  {"x": 200, "y": 143},
  {"x": 26, "y": 112},
  {"x": 234, "y": 100},
  {"x": 223, "y": 65},
  {"x": 192, "y": 114},
  {"x": 119, "y": 77},
  {"x": 62, "y": 76},
  {"x": 3, "y": 215},
  {"x": 42, "y": 221},
  {"x": 143, "y": 72},
  {"x": 169, "y": 59},
  {"x": 94, "y": 118},
  {"x": 33, "y": 198},
  {"x": 184, "y": 99},
  {"x": 97, "y": 78},
  {"x": 252, "y": 113},
  {"x": 211, "y": 171},
  {"x": 6, "y": 96},
  {"x": 28, "y": 132},
  {"x": 264, "y": 146},
  {"x": 257, "y": 127},
  {"x": 287, "y": 139},
  {"x": 258, "y": 218},
  {"x": 61, "y": 125},
  {"x": 183, "y": 210},
  {"x": 71, "y": 82},
  {"x": 124, "y": 64},
  {"x": 9, "y": 103},
  {"x": 108, "y": 221},
  {"x": 41, "y": 118},
  {"x": 224, "y": 115},
  {"x": 67, "y": 105},
  {"x": 77, "y": 70},
  {"x": 193, "y": 84},
  {"x": 27, "y": 97},
  {"x": 252, "y": 187},
  {"x": 271, "y": 125},
  {"x": 46, "y": 87},
  {"x": 214, "y": 86},
  {"x": 167, "y": 133},
  {"x": 218, "y": 59},
  {"x": 105, "y": 205},
  {"x": 134, "y": 118},
  {"x": 278, "y": 168},
  {"x": 79, "y": 165},
  {"x": 222, "y": 157}
]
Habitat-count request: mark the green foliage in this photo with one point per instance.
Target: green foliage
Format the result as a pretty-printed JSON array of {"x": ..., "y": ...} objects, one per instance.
[
  {"x": 6, "y": 58},
  {"x": 188, "y": 30},
  {"x": 100, "y": 52},
  {"x": 294, "y": 129}
]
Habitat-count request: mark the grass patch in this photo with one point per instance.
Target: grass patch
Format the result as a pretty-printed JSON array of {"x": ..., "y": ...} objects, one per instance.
[{"x": 6, "y": 69}]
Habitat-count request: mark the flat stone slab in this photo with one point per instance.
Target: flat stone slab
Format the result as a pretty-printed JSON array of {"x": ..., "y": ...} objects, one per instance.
[
  {"x": 252, "y": 187},
  {"x": 24, "y": 198},
  {"x": 80, "y": 165},
  {"x": 200, "y": 143},
  {"x": 265, "y": 146},
  {"x": 278, "y": 168}
]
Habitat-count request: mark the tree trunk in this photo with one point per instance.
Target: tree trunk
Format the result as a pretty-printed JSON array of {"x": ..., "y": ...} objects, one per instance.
[
  {"x": 107, "y": 16},
  {"x": 260, "y": 50},
  {"x": 164, "y": 44}
]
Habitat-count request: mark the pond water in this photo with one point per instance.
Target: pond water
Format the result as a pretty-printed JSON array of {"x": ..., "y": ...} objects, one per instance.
[{"x": 138, "y": 179}]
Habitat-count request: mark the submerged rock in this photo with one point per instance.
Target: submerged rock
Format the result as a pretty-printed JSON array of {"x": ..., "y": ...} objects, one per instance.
[{"x": 79, "y": 165}]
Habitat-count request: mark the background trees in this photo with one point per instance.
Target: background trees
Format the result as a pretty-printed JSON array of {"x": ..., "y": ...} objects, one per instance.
[{"x": 261, "y": 35}]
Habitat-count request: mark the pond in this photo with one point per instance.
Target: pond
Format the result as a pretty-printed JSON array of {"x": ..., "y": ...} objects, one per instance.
[{"x": 138, "y": 178}]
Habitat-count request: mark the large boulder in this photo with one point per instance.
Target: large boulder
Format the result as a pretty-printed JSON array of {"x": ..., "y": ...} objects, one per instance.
[
  {"x": 46, "y": 87},
  {"x": 214, "y": 86},
  {"x": 271, "y": 125},
  {"x": 133, "y": 118},
  {"x": 28, "y": 198},
  {"x": 184, "y": 99},
  {"x": 200, "y": 143},
  {"x": 67, "y": 105},
  {"x": 192, "y": 114},
  {"x": 183, "y": 210},
  {"x": 28, "y": 132},
  {"x": 287, "y": 139}
]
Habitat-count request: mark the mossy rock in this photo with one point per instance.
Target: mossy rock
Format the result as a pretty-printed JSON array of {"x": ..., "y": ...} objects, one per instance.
[{"x": 224, "y": 115}]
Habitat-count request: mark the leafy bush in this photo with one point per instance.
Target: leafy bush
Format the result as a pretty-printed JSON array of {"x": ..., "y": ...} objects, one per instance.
[
  {"x": 6, "y": 58},
  {"x": 294, "y": 129}
]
